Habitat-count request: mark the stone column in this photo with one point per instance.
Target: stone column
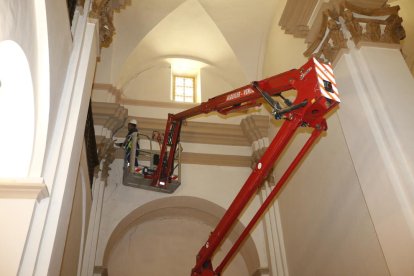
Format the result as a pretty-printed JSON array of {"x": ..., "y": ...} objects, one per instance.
[{"x": 377, "y": 94}]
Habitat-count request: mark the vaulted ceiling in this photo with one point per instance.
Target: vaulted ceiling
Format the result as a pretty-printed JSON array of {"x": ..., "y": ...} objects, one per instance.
[{"x": 228, "y": 35}]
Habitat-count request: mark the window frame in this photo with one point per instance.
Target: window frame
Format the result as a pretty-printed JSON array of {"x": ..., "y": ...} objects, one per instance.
[{"x": 193, "y": 97}]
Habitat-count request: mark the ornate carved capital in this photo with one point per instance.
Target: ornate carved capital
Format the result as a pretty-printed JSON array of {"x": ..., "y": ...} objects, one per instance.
[
  {"x": 373, "y": 25},
  {"x": 111, "y": 117},
  {"x": 103, "y": 11},
  {"x": 359, "y": 25}
]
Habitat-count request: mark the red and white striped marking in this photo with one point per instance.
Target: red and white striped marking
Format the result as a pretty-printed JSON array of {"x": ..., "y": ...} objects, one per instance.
[{"x": 325, "y": 72}]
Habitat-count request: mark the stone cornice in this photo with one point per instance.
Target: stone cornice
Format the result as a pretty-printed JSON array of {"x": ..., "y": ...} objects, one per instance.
[
  {"x": 363, "y": 26},
  {"x": 23, "y": 188}
]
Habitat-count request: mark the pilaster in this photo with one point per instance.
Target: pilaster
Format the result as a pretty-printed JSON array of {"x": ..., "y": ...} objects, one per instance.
[{"x": 376, "y": 91}]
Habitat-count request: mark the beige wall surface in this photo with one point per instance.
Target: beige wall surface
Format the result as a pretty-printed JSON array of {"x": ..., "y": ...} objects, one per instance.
[
  {"x": 15, "y": 215},
  {"x": 165, "y": 246},
  {"x": 325, "y": 220},
  {"x": 374, "y": 117}
]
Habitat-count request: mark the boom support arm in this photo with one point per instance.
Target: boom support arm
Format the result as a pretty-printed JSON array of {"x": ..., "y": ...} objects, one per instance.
[{"x": 316, "y": 96}]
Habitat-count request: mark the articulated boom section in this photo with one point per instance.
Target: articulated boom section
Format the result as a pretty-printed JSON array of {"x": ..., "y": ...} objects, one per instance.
[{"x": 316, "y": 95}]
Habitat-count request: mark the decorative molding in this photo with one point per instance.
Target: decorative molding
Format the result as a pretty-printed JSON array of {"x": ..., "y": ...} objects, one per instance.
[
  {"x": 23, "y": 188},
  {"x": 215, "y": 159},
  {"x": 298, "y": 13},
  {"x": 366, "y": 26},
  {"x": 330, "y": 40},
  {"x": 376, "y": 30},
  {"x": 171, "y": 104},
  {"x": 250, "y": 130},
  {"x": 199, "y": 158},
  {"x": 106, "y": 155},
  {"x": 117, "y": 93},
  {"x": 108, "y": 88},
  {"x": 194, "y": 132},
  {"x": 103, "y": 11},
  {"x": 112, "y": 117}
]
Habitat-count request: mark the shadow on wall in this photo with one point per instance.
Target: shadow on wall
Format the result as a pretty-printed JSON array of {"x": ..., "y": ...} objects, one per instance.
[{"x": 165, "y": 235}]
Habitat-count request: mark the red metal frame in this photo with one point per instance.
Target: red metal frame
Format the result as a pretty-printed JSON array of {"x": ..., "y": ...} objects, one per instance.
[{"x": 311, "y": 104}]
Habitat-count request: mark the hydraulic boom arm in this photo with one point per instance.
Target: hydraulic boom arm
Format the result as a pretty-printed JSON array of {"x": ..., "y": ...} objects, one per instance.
[{"x": 316, "y": 95}]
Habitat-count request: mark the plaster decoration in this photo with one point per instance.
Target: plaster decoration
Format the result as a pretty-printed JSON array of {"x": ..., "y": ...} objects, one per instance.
[
  {"x": 298, "y": 13},
  {"x": 103, "y": 11},
  {"x": 369, "y": 25},
  {"x": 365, "y": 25},
  {"x": 330, "y": 39},
  {"x": 106, "y": 154},
  {"x": 297, "y": 25},
  {"x": 112, "y": 117}
]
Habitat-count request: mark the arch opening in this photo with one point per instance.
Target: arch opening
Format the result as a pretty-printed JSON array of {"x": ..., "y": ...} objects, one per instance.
[{"x": 170, "y": 231}]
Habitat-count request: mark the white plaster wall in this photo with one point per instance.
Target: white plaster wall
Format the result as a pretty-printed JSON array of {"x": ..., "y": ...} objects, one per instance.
[
  {"x": 326, "y": 225},
  {"x": 71, "y": 87},
  {"x": 104, "y": 66},
  {"x": 16, "y": 215},
  {"x": 283, "y": 52},
  {"x": 214, "y": 83},
  {"x": 153, "y": 84},
  {"x": 25, "y": 23},
  {"x": 380, "y": 147},
  {"x": 59, "y": 51},
  {"x": 22, "y": 22}
]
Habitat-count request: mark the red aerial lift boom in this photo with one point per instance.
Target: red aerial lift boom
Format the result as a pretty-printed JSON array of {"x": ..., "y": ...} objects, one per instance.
[{"x": 316, "y": 96}]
